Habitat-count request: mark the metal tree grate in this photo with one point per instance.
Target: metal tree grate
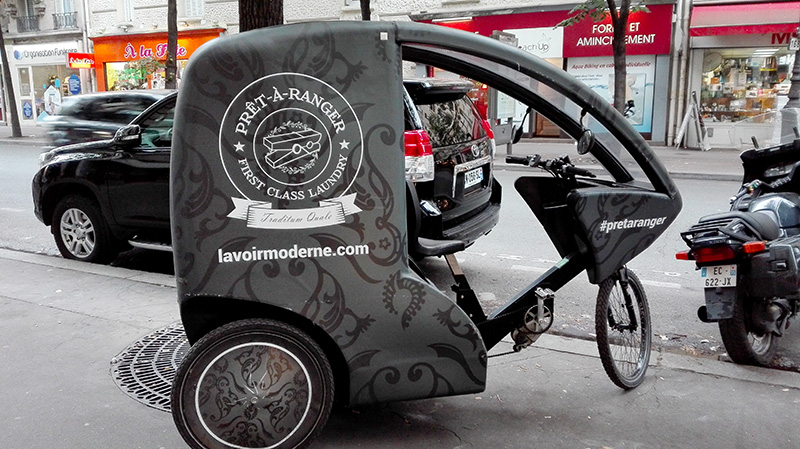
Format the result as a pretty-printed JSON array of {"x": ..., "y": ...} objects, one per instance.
[{"x": 145, "y": 369}]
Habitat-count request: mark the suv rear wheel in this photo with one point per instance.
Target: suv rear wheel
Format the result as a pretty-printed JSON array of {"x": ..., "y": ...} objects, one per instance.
[{"x": 80, "y": 231}]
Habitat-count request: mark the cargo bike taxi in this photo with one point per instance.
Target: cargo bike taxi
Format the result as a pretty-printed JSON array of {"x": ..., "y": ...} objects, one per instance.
[{"x": 292, "y": 219}]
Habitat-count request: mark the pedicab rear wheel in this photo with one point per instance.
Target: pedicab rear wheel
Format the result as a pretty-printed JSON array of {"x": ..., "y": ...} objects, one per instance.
[
  {"x": 254, "y": 383},
  {"x": 622, "y": 324}
]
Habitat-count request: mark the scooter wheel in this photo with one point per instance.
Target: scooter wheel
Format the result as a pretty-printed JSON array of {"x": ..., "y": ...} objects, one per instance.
[
  {"x": 254, "y": 383},
  {"x": 744, "y": 345}
]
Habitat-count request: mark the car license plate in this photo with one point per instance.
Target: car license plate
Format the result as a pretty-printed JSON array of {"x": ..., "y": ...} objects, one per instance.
[
  {"x": 718, "y": 276},
  {"x": 473, "y": 177}
]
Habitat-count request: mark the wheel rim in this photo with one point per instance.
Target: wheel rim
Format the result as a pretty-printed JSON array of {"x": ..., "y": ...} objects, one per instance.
[
  {"x": 254, "y": 395},
  {"x": 760, "y": 343},
  {"x": 77, "y": 233},
  {"x": 628, "y": 344}
]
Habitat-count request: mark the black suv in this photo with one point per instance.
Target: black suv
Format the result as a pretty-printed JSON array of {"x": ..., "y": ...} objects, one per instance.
[
  {"x": 100, "y": 197},
  {"x": 462, "y": 200}
]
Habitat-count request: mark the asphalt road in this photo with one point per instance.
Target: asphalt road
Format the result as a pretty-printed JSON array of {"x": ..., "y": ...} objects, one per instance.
[{"x": 498, "y": 265}]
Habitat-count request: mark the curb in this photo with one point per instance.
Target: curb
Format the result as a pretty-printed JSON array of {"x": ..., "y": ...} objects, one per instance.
[{"x": 163, "y": 280}]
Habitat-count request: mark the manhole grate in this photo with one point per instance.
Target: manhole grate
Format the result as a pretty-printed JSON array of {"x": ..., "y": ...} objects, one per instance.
[{"x": 145, "y": 369}]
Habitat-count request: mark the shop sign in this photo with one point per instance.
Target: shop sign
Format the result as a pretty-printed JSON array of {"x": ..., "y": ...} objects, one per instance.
[
  {"x": 794, "y": 44},
  {"x": 743, "y": 40},
  {"x": 38, "y": 54},
  {"x": 80, "y": 60},
  {"x": 598, "y": 74},
  {"x": 546, "y": 42},
  {"x": 159, "y": 51},
  {"x": 647, "y": 34}
]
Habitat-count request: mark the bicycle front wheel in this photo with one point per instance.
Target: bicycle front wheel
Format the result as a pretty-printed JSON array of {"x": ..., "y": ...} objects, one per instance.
[{"x": 622, "y": 323}]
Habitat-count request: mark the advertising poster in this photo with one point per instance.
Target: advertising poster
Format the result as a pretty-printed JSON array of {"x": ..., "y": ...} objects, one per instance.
[
  {"x": 598, "y": 74},
  {"x": 546, "y": 42}
]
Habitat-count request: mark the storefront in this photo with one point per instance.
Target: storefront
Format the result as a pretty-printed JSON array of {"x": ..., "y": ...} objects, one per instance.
[
  {"x": 42, "y": 78},
  {"x": 741, "y": 67},
  {"x": 136, "y": 61},
  {"x": 584, "y": 50}
]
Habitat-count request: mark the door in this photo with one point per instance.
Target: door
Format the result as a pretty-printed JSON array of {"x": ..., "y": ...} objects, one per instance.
[{"x": 139, "y": 184}]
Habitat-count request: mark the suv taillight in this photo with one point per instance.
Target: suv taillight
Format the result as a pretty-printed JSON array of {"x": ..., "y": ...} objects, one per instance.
[
  {"x": 419, "y": 156},
  {"x": 488, "y": 128}
]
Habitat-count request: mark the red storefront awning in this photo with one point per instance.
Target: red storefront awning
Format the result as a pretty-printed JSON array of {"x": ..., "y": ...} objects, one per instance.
[{"x": 745, "y": 18}]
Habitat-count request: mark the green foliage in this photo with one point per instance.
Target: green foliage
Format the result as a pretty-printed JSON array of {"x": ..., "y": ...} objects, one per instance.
[
  {"x": 135, "y": 74},
  {"x": 598, "y": 10}
]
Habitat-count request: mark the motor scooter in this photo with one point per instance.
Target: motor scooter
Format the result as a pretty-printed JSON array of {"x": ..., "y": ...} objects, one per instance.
[
  {"x": 295, "y": 284},
  {"x": 749, "y": 258}
]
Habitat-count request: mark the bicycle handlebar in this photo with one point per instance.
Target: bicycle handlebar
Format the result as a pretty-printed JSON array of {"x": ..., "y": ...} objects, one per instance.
[
  {"x": 559, "y": 165},
  {"x": 578, "y": 171}
]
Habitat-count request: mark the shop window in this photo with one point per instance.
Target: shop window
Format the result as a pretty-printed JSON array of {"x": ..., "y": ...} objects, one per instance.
[
  {"x": 193, "y": 8},
  {"x": 64, "y": 6},
  {"x": 126, "y": 10},
  {"x": 49, "y": 87},
  {"x": 140, "y": 74},
  {"x": 742, "y": 83}
]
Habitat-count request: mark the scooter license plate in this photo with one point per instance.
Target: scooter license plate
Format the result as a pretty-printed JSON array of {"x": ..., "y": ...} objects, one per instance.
[{"x": 718, "y": 276}]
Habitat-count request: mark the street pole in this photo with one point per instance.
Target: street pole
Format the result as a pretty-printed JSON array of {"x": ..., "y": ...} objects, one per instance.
[{"x": 794, "y": 89}]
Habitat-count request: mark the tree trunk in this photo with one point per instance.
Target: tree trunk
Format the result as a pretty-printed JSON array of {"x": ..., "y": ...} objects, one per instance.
[
  {"x": 171, "y": 68},
  {"x": 259, "y": 14},
  {"x": 619, "y": 19},
  {"x": 13, "y": 116},
  {"x": 365, "y": 10}
]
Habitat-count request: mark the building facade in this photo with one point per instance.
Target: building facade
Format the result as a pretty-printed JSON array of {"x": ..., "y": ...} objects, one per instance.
[
  {"x": 583, "y": 50},
  {"x": 129, "y": 37},
  {"x": 39, "y": 35},
  {"x": 741, "y": 67},
  {"x": 731, "y": 56},
  {"x": 59, "y": 48}
]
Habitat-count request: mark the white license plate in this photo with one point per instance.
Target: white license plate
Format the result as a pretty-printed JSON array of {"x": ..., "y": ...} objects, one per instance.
[
  {"x": 473, "y": 177},
  {"x": 718, "y": 276}
]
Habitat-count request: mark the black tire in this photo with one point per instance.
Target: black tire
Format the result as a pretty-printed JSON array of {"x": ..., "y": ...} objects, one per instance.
[
  {"x": 744, "y": 345},
  {"x": 81, "y": 232},
  {"x": 622, "y": 323},
  {"x": 222, "y": 396}
]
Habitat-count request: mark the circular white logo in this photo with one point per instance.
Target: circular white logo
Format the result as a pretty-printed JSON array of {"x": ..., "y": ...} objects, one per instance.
[{"x": 292, "y": 146}]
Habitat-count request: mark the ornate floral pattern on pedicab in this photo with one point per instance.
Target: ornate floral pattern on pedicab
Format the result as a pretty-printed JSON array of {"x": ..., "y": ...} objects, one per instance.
[
  {"x": 327, "y": 306},
  {"x": 253, "y": 395},
  {"x": 406, "y": 294}
]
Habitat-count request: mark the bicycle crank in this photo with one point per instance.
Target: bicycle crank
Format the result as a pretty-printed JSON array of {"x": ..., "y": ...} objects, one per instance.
[{"x": 537, "y": 320}]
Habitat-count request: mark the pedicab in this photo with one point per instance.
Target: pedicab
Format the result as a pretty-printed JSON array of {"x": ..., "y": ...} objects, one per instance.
[{"x": 292, "y": 219}]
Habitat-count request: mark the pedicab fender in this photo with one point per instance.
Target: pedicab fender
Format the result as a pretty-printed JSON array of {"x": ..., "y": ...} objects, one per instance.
[{"x": 287, "y": 193}]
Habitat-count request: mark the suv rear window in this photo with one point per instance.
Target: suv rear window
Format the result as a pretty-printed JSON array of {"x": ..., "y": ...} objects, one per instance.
[{"x": 451, "y": 122}]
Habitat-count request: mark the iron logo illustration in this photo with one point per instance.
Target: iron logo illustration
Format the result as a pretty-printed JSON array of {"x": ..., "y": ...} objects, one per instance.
[{"x": 291, "y": 145}]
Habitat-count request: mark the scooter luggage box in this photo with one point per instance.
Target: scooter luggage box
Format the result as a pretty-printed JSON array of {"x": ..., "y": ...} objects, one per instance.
[{"x": 775, "y": 273}]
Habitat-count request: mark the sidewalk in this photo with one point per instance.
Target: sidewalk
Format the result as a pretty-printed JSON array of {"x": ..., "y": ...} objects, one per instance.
[
  {"x": 31, "y": 135},
  {"x": 716, "y": 164},
  {"x": 64, "y": 321}
]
